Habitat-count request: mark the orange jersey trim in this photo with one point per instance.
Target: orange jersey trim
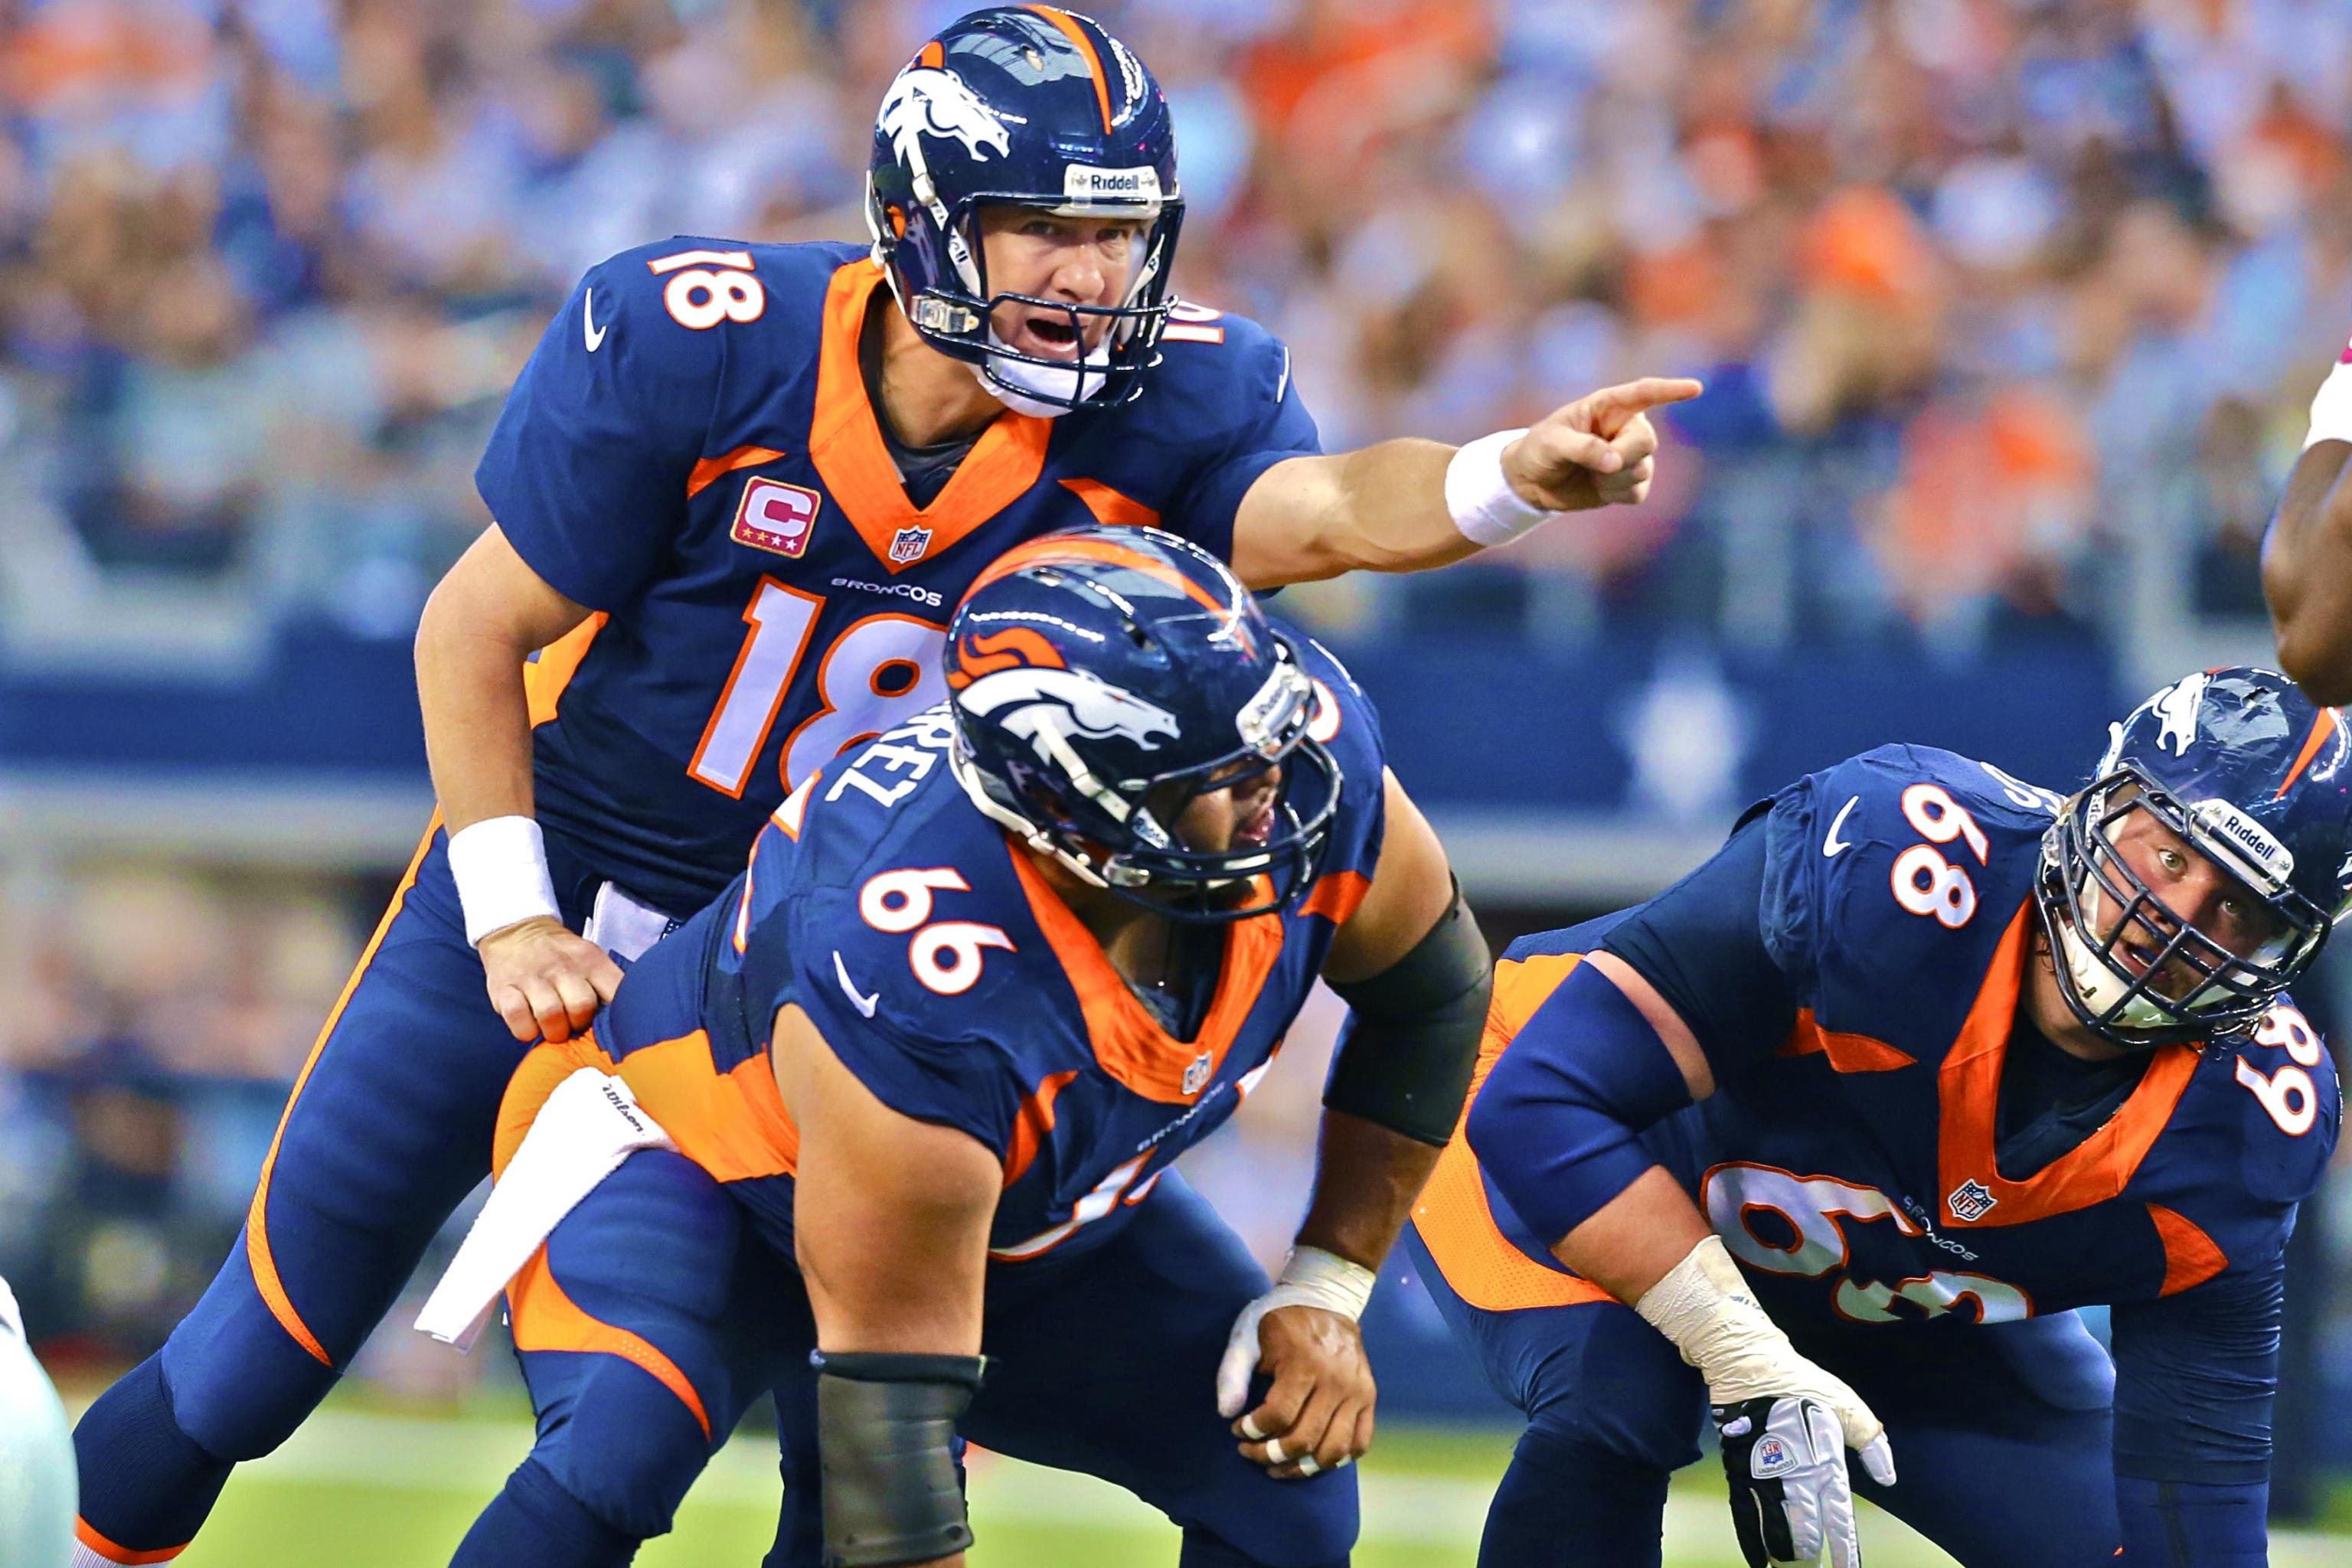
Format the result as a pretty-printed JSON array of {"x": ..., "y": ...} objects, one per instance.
[
  {"x": 2190, "y": 1256},
  {"x": 1069, "y": 28},
  {"x": 1968, "y": 1089},
  {"x": 258, "y": 1253},
  {"x": 1033, "y": 1124},
  {"x": 732, "y": 1124},
  {"x": 545, "y": 677},
  {"x": 1846, "y": 1053},
  {"x": 546, "y": 1318},
  {"x": 122, "y": 1554},
  {"x": 710, "y": 470},
  {"x": 1128, "y": 1041},
  {"x": 846, "y": 450},
  {"x": 1337, "y": 896},
  {"x": 2321, "y": 728},
  {"x": 1111, "y": 508},
  {"x": 1453, "y": 1216}
]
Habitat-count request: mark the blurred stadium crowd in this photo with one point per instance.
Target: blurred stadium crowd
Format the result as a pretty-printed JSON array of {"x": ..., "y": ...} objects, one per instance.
[
  {"x": 1960, "y": 273},
  {"x": 1981, "y": 290}
]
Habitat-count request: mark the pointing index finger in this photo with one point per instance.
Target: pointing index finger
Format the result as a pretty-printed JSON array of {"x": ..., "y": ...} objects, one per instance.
[{"x": 1632, "y": 397}]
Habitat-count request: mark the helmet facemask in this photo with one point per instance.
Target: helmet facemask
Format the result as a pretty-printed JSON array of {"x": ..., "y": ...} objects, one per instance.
[
  {"x": 2115, "y": 943},
  {"x": 955, "y": 312},
  {"x": 1054, "y": 802}
]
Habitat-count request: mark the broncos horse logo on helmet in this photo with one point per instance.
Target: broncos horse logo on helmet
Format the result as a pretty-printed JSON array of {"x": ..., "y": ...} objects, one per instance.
[
  {"x": 2242, "y": 768},
  {"x": 936, "y": 104},
  {"x": 1107, "y": 677},
  {"x": 1033, "y": 107},
  {"x": 1055, "y": 704}
]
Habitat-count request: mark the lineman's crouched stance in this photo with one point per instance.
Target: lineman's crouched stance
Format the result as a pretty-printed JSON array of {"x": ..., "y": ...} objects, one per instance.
[
  {"x": 1853, "y": 1117},
  {"x": 926, "y": 1066}
]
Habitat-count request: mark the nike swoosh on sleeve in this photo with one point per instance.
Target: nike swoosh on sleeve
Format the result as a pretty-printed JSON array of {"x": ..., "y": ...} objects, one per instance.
[
  {"x": 1832, "y": 846},
  {"x": 588, "y": 327},
  {"x": 863, "y": 1003}
]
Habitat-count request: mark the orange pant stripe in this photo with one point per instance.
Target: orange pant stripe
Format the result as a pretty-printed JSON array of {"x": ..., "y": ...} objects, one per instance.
[
  {"x": 545, "y": 1319},
  {"x": 122, "y": 1554},
  {"x": 256, "y": 1218}
]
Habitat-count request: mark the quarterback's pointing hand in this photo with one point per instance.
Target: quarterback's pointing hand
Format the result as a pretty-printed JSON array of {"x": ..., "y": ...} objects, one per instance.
[
  {"x": 1595, "y": 451},
  {"x": 546, "y": 981}
]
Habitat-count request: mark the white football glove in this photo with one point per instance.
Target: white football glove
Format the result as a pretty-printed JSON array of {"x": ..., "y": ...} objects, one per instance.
[{"x": 1786, "y": 1423}]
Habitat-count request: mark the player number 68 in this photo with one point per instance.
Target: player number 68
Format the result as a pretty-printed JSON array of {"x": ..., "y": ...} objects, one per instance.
[{"x": 1925, "y": 882}]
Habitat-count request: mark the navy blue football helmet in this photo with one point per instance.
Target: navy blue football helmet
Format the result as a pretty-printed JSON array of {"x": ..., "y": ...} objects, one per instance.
[
  {"x": 2239, "y": 765},
  {"x": 1024, "y": 106},
  {"x": 1103, "y": 678}
]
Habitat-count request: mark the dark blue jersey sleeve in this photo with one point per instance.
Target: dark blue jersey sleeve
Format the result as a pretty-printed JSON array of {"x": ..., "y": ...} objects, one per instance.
[
  {"x": 1255, "y": 408},
  {"x": 586, "y": 471},
  {"x": 951, "y": 1079},
  {"x": 2195, "y": 1374},
  {"x": 1701, "y": 942},
  {"x": 927, "y": 1053}
]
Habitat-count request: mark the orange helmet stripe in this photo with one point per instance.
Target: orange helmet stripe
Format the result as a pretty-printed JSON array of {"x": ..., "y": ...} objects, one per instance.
[
  {"x": 1070, "y": 29},
  {"x": 2321, "y": 728},
  {"x": 1051, "y": 550}
]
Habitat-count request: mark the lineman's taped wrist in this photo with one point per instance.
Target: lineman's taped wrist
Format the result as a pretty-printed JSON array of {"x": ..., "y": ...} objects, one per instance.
[
  {"x": 500, "y": 865},
  {"x": 1312, "y": 1278},
  {"x": 2331, "y": 408},
  {"x": 1705, "y": 1306},
  {"x": 1479, "y": 497},
  {"x": 886, "y": 1444}
]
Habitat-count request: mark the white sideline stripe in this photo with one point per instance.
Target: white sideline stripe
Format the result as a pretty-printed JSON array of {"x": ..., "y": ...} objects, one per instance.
[{"x": 413, "y": 1454}]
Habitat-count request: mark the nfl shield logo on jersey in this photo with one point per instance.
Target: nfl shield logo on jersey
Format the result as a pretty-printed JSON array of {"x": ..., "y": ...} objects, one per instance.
[
  {"x": 908, "y": 544},
  {"x": 1971, "y": 1201},
  {"x": 1197, "y": 1073},
  {"x": 776, "y": 516}
]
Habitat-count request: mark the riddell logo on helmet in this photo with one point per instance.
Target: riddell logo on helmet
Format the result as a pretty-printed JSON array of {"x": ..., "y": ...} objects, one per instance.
[
  {"x": 1084, "y": 183},
  {"x": 2243, "y": 840}
]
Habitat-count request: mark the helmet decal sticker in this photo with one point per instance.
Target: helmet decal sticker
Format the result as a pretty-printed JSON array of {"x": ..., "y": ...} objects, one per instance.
[
  {"x": 1063, "y": 703},
  {"x": 926, "y": 101}
]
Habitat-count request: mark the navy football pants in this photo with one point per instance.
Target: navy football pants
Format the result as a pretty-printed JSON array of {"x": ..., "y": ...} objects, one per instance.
[
  {"x": 387, "y": 1129},
  {"x": 2001, "y": 1435},
  {"x": 1103, "y": 1361}
]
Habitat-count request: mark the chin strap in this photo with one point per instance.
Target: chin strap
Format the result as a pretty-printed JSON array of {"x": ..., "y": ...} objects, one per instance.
[{"x": 1024, "y": 387}]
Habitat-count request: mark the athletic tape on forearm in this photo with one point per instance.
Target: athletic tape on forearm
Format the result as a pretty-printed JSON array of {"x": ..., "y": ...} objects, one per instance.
[
  {"x": 2331, "y": 408},
  {"x": 1479, "y": 497},
  {"x": 886, "y": 1443},
  {"x": 1314, "y": 1278},
  {"x": 1558, "y": 1123},
  {"x": 500, "y": 865},
  {"x": 1411, "y": 1040},
  {"x": 1704, "y": 1306}
]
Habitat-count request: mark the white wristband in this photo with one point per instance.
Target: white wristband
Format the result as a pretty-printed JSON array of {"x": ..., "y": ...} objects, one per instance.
[
  {"x": 500, "y": 865},
  {"x": 1483, "y": 506},
  {"x": 2331, "y": 409},
  {"x": 1314, "y": 1278}
]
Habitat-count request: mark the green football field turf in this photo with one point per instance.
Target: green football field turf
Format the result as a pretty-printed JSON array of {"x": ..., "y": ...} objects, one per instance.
[{"x": 362, "y": 1489}]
